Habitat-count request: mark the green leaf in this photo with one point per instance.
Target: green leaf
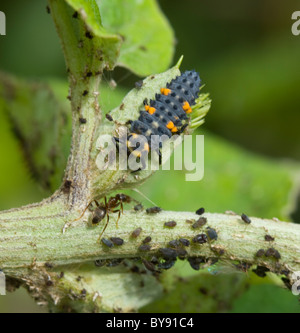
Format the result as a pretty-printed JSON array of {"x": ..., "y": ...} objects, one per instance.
[
  {"x": 201, "y": 292},
  {"x": 234, "y": 179},
  {"x": 41, "y": 125},
  {"x": 132, "y": 34},
  {"x": 256, "y": 93},
  {"x": 114, "y": 287},
  {"x": 148, "y": 39},
  {"x": 98, "y": 46},
  {"x": 266, "y": 299}
]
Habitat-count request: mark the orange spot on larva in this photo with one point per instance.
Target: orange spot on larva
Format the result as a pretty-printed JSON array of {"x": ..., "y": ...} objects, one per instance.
[
  {"x": 151, "y": 110},
  {"x": 170, "y": 125},
  {"x": 165, "y": 91}
]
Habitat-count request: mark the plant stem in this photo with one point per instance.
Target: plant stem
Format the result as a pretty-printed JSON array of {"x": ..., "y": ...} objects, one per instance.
[
  {"x": 34, "y": 234},
  {"x": 84, "y": 91}
]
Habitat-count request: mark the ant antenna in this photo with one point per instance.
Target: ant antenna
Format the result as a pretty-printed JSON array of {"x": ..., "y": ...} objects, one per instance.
[{"x": 143, "y": 195}]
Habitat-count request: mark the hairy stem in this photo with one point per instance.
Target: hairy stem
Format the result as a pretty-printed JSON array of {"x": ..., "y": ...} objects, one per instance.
[
  {"x": 84, "y": 71},
  {"x": 33, "y": 234}
]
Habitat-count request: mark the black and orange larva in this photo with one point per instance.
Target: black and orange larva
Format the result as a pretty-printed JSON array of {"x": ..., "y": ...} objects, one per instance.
[{"x": 166, "y": 115}]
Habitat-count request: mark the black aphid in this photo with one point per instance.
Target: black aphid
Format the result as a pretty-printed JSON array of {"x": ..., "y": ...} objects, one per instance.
[
  {"x": 138, "y": 207},
  {"x": 138, "y": 84},
  {"x": 200, "y": 211},
  {"x": 260, "y": 253},
  {"x": 147, "y": 240},
  {"x": 184, "y": 241},
  {"x": 149, "y": 265},
  {"x": 145, "y": 247},
  {"x": 245, "y": 218},
  {"x": 107, "y": 242},
  {"x": 135, "y": 233},
  {"x": 153, "y": 210},
  {"x": 109, "y": 117},
  {"x": 269, "y": 238},
  {"x": 195, "y": 262},
  {"x": 271, "y": 252},
  {"x": 170, "y": 224},
  {"x": 117, "y": 240},
  {"x": 211, "y": 233},
  {"x": 166, "y": 264},
  {"x": 167, "y": 253},
  {"x": 199, "y": 223},
  {"x": 174, "y": 243},
  {"x": 200, "y": 238}
]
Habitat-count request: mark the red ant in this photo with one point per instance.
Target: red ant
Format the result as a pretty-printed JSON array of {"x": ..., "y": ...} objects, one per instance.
[{"x": 107, "y": 208}]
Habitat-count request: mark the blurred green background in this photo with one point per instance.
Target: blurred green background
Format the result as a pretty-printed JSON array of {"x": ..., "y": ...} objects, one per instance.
[{"x": 249, "y": 60}]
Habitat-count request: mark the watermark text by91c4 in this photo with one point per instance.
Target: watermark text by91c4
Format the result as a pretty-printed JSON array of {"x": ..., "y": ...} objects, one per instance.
[{"x": 141, "y": 153}]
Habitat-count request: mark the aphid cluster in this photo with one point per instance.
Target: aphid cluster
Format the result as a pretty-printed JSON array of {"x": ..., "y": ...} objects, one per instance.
[
  {"x": 261, "y": 271},
  {"x": 271, "y": 252},
  {"x": 195, "y": 262},
  {"x": 166, "y": 115},
  {"x": 169, "y": 255}
]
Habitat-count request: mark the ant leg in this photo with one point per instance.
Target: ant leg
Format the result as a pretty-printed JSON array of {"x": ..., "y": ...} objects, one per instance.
[
  {"x": 96, "y": 202},
  {"x": 107, "y": 221},
  {"x": 119, "y": 215},
  {"x": 69, "y": 223}
]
